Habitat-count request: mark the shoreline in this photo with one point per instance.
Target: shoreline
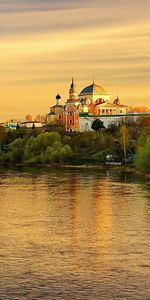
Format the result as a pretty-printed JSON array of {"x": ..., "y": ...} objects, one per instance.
[{"x": 102, "y": 167}]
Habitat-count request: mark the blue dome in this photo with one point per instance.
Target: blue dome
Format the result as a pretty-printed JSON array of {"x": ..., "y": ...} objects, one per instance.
[{"x": 93, "y": 89}]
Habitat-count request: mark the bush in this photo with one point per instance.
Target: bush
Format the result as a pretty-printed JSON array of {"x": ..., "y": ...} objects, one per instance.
[
  {"x": 99, "y": 156},
  {"x": 46, "y": 148},
  {"x": 15, "y": 152},
  {"x": 142, "y": 158},
  {"x": 97, "y": 125}
]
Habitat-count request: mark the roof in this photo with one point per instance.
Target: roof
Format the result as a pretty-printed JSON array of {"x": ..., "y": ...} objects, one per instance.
[
  {"x": 51, "y": 113},
  {"x": 57, "y": 105},
  {"x": 110, "y": 105},
  {"x": 93, "y": 89},
  {"x": 30, "y": 122}
]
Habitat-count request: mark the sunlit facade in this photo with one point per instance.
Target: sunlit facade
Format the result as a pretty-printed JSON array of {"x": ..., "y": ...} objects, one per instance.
[{"x": 81, "y": 109}]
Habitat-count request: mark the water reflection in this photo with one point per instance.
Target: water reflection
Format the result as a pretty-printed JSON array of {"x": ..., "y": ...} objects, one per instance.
[{"x": 73, "y": 235}]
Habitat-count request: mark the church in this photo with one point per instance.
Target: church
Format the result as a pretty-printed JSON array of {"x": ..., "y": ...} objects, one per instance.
[{"x": 80, "y": 110}]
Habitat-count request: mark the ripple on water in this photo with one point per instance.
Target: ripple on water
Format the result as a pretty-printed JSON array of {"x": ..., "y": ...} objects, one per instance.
[{"x": 74, "y": 235}]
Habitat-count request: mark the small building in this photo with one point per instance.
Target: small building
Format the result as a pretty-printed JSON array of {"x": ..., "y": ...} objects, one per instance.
[
  {"x": 56, "y": 112},
  {"x": 31, "y": 124},
  {"x": 10, "y": 125}
]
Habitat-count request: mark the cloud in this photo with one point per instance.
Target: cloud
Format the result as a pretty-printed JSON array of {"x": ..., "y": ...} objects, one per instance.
[
  {"x": 18, "y": 6},
  {"x": 36, "y": 17},
  {"x": 21, "y": 6},
  {"x": 43, "y": 43}
]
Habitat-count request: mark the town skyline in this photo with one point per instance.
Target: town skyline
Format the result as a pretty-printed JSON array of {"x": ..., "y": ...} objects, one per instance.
[{"x": 42, "y": 45}]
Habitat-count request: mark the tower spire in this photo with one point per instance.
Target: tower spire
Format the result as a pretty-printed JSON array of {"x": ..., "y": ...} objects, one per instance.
[
  {"x": 72, "y": 83},
  {"x": 72, "y": 91}
]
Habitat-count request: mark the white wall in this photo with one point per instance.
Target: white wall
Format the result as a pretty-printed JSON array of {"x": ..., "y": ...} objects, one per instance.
[
  {"x": 86, "y": 122},
  {"x": 30, "y": 124}
]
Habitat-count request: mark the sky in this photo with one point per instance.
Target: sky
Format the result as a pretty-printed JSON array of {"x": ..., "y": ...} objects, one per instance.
[{"x": 44, "y": 43}]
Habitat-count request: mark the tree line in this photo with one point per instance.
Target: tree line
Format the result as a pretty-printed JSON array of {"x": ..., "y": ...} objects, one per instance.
[{"x": 127, "y": 143}]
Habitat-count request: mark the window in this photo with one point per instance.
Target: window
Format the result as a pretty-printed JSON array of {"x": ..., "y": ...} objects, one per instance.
[{"x": 70, "y": 113}]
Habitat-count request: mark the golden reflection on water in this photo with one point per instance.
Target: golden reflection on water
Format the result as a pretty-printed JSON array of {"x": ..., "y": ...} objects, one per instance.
[{"x": 76, "y": 224}]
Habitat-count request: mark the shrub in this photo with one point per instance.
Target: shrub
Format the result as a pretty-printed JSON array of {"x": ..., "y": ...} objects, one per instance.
[{"x": 142, "y": 158}]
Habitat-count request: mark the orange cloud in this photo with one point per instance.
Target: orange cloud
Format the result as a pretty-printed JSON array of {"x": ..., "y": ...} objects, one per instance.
[{"x": 40, "y": 51}]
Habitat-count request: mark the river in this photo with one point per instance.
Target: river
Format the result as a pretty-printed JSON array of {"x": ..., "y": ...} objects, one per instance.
[{"x": 74, "y": 234}]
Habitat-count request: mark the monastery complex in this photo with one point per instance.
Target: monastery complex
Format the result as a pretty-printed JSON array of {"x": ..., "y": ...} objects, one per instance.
[{"x": 80, "y": 110}]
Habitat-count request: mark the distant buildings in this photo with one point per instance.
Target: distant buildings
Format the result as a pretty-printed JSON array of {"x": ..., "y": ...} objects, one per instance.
[
  {"x": 9, "y": 125},
  {"x": 80, "y": 110},
  {"x": 30, "y": 124},
  {"x": 13, "y": 124}
]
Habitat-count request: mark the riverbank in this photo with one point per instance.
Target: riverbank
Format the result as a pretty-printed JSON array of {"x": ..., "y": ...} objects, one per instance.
[
  {"x": 101, "y": 167},
  {"x": 88, "y": 150}
]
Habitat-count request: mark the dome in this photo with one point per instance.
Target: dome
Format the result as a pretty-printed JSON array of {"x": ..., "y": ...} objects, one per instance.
[
  {"x": 93, "y": 89},
  {"x": 58, "y": 97}
]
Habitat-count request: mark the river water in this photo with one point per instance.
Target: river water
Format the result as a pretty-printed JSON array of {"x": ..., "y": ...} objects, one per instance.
[{"x": 74, "y": 234}]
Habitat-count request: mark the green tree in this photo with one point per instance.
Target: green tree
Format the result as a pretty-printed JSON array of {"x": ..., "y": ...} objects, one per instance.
[
  {"x": 97, "y": 125},
  {"x": 58, "y": 153},
  {"x": 15, "y": 153},
  {"x": 3, "y": 136},
  {"x": 46, "y": 148},
  {"x": 142, "y": 158}
]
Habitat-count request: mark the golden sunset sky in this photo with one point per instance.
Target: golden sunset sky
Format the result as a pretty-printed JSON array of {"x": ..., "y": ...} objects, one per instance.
[{"x": 43, "y": 43}]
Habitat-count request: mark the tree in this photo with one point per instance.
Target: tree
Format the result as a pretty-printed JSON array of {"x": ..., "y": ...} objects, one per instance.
[
  {"x": 15, "y": 152},
  {"x": 3, "y": 136},
  {"x": 29, "y": 118},
  {"x": 144, "y": 121},
  {"x": 124, "y": 140},
  {"x": 140, "y": 109},
  {"x": 46, "y": 148},
  {"x": 142, "y": 158},
  {"x": 97, "y": 125}
]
